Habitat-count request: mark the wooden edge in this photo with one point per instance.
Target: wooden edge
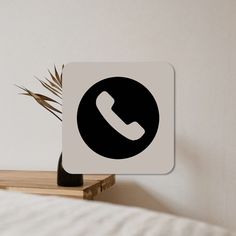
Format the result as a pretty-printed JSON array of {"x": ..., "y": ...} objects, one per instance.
[
  {"x": 100, "y": 186},
  {"x": 99, "y": 183}
]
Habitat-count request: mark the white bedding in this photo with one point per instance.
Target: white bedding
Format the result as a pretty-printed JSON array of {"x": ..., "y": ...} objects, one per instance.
[{"x": 29, "y": 215}]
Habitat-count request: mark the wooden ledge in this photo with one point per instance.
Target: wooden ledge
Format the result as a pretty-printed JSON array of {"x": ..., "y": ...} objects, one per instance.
[{"x": 45, "y": 183}]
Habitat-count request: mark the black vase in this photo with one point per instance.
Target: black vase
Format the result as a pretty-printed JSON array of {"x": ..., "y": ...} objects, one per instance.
[{"x": 66, "y": 179}]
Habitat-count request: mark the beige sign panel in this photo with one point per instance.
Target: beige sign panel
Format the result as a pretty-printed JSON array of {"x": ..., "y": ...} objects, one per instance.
[{"x": 118, "y": 118}]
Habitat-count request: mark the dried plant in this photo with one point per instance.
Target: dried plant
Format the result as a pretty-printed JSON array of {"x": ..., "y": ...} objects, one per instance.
[{"x": 54, "y": 85}]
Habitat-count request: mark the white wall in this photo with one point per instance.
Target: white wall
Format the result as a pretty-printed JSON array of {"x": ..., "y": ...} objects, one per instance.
[{"x": 197, "y": 37}]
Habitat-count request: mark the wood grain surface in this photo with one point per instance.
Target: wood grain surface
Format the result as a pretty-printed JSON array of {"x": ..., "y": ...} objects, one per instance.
[{"x": 44, "y": 182}]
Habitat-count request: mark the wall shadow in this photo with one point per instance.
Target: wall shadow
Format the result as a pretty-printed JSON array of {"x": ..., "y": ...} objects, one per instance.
[{"x": 132, "y": 194}]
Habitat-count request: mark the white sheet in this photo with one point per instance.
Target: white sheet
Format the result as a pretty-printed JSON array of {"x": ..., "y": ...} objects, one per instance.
[{"x": 29, "y": 215}]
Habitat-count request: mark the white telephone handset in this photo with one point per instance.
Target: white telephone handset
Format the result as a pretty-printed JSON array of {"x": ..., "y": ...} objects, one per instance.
[{"x": 132, "y": 131}]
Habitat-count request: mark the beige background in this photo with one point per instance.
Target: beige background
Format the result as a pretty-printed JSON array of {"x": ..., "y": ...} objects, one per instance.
[{"x": 198, "y": 37}]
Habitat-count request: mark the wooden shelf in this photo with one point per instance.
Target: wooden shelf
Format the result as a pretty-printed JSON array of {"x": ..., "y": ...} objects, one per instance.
[{"x": 44, "y": 182}]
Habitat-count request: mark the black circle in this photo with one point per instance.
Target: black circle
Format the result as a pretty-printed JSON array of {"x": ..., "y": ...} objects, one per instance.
[{"x": 133, "y": 102}]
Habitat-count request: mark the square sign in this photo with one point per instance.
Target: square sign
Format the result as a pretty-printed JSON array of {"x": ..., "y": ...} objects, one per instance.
[{"x": 118, "y": 118}]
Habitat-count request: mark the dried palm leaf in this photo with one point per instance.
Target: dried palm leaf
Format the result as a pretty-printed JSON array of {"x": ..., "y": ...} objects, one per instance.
[
  {"x": 57, "y": 76},
  {"x": 50, "y": 88},
  {"x": 45, "y": 98},
  {"x": 54, "y": 86},
  {"x": 54, "y": 78},
  {"x": 61, "y": 74},
  {"x": 41, "y": 99}
]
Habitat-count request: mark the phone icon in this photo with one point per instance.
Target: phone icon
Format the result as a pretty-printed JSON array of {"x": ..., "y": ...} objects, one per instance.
[{"x": 132, "y": 131}]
